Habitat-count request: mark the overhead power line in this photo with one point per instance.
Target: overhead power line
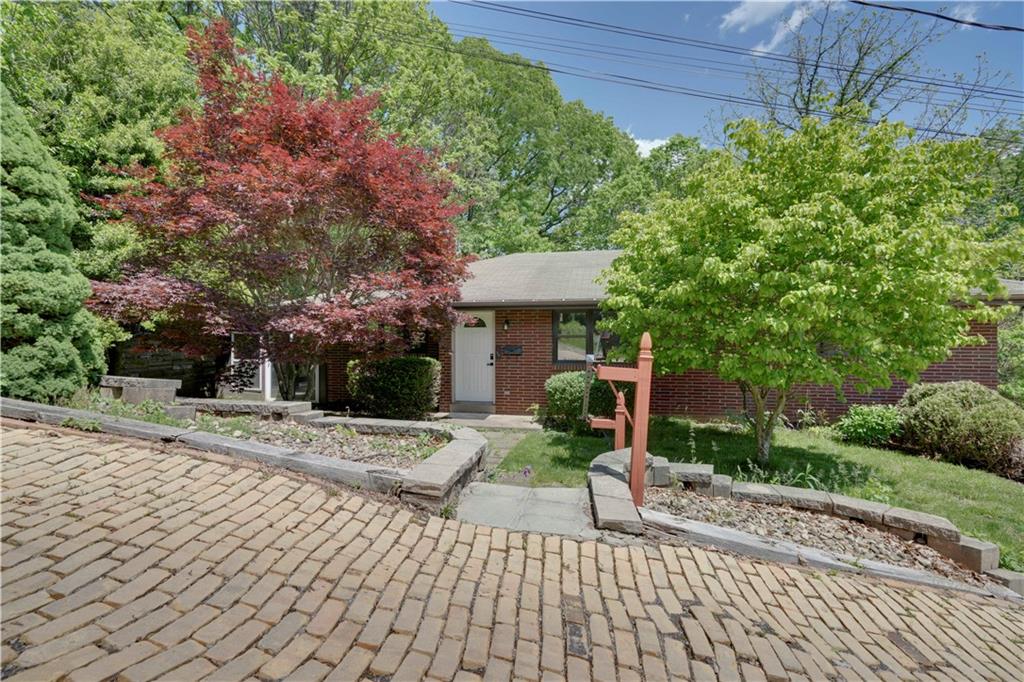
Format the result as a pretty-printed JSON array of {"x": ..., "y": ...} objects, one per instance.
[
  {"x": 631, "y": 81},
  {"x": 626, "y": 57},
  {"x": 722, "y": 47},
  {"x": 939, "y": 15}
]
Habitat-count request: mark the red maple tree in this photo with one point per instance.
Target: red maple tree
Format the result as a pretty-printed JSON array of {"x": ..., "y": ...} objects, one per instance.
[{"x": 290, "y": 219}]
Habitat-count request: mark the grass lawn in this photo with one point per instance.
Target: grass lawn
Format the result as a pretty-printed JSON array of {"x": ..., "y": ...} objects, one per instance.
[{"x": 980, "y": 504}]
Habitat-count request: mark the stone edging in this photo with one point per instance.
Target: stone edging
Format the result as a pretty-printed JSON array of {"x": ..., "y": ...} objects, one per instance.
[
  {"x": 430, "y": 484},
  {"x": 609, "y": 475}
]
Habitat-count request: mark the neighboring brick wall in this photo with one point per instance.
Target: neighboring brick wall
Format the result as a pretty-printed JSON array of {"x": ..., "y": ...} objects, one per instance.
[
  {"x": 337, "y": 371},
  {"x": 696, "y": 393}
]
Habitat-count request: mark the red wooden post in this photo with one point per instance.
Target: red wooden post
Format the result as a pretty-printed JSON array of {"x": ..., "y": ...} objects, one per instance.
[
  {"x": 620, "y": 420},
  {"x": 641, "y": 413}
]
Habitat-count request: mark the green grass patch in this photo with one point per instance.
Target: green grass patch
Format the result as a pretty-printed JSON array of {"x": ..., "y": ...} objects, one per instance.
[{"x": 979, "y": 503}]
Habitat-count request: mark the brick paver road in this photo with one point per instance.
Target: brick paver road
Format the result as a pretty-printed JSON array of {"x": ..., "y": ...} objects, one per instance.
[{"x": 121, "y": 560}]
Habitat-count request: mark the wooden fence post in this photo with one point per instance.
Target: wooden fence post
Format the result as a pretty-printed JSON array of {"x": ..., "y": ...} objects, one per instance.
[{"x": 641, "y": 414}]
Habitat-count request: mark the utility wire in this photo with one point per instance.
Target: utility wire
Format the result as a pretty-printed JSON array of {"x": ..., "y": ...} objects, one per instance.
[
  {"x": 710, "y": 45},
  {"x": 620, "y": 79},
  {"x": 938, "y": 15},
  {"x": 626, "y": 58}
]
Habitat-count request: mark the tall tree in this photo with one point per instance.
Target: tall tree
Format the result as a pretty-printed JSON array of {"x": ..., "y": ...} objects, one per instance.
[
  {"x": 634, "y": 190},
  {"x": 295, "y": 221},
  {"x": 826, "y": 254},
  {"x": 95, "y": 80},
  {"x": 849, "y": 54},
  {"x": 50, "y": 345}
]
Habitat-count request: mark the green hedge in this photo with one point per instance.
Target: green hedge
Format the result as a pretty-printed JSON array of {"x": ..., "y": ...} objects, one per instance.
[
  {"x": 395, "y": 388},
  {"x": 565, "y": 401},
  {"x": 965, "y": 423},
  {"x": 874, "y": 425}
]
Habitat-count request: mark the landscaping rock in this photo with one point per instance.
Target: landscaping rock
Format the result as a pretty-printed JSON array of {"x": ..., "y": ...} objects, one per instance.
[
  {"x": 1010, "y": 579},
  {"x": 856, "y": 508},
  {"x": 975, "y": 554},
  {"x": 721, "y": 485},
  {"x": 608, "y": 485},
  {"x": 920, "y": 522},
  {"x": 262, "y": 408},
  {"x": 306, "y": 417},
  {"x": 698, "y": 474},
  {"x": 804, "y": 498},
  {"x": 756, "y": 492},
  {"x": 136, "y": 390},
  {"x": 613, "y": 513},
  {"x": 186, "y": 412}
]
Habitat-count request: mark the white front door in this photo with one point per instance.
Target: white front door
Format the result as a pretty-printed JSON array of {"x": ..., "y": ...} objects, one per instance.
[{"x": 474, "y": 358}]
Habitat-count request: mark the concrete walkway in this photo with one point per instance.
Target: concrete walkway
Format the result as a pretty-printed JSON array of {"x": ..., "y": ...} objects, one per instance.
[
  {"x": 561, "y": 511},
  {"x": 123, "y": 560},
  {"x": 491, "y": 421}
]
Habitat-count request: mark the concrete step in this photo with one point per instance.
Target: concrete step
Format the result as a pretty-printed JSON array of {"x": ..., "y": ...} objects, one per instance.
[{"x": 307, "y": 416}]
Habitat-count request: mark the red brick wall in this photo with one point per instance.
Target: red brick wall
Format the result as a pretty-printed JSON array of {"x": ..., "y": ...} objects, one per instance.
[{"x": 696, "y": 393}]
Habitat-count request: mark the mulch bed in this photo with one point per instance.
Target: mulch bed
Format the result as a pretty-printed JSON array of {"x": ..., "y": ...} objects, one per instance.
[
  {"x": 390, "y": 451},
  {"x": 821, "y": 531}
]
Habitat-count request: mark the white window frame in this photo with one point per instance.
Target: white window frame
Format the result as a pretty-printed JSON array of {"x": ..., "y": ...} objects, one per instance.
[{"x": 260, "y": 383}]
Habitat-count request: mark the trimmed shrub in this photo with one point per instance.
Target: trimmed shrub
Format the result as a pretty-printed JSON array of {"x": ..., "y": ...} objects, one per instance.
[
  {"x": 51, "y": 345},
  {"x": 965, "y": 423},
  {"x": 395, "y": 388},
  {"x": 870, "y": 424},
  {"x": 565, "y": 401}
]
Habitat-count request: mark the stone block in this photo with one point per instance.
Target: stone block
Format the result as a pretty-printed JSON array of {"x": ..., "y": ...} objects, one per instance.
[
  {"x": 134, "y": 428},
  {"x": 698, "y": 474},
  {"x": 608, "y": 486},
  {"x": 114, "y": 381},
  {"x": 246, "y": 449},
  {"x": 1010, "y": 579},
  {"x": 804, "y": 498},
  {"x": 975, "y": 554},
  {"x": 856, "y": 508},
  {"x": 306, "y": 417},
  {"x": 430, "y": 479},
  {"x": 140, "y": 394},
  {"x": 19, "y": 409},
  {"x": 920, "y": 522},
  {"x": 721, "y": 485},
  {"x": 658, "y": 472},
  {"x": 187, "y": 412},
  {"x": 613, "y": 513},
  {"x": 756, "y": 492}
]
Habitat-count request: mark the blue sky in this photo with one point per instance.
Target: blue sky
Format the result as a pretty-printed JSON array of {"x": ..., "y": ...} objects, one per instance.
[{"x": 650, "y": 115}]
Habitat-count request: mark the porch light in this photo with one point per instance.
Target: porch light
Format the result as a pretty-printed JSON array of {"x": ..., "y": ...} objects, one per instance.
[{"x": 506, "y": 324}]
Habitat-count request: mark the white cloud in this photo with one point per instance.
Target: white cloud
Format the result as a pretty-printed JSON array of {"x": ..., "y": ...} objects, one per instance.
[
  {"x": 751, "y": 13},
  {"x": 965, "y": 11},
  {"x": 645, "y": 145},
  {"x": 784, "y": 28}
]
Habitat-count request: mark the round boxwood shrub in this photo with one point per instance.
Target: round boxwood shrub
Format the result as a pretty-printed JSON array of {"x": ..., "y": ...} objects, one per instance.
[
  {"x": 565, "y": 400},
  {"x": 965, "y": 423},
  {"x": 395, "y": 388},
  {"x": 870, "y": 424}
]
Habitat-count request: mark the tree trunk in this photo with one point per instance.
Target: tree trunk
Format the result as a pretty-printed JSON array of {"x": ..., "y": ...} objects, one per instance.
[
  {"x": 765, "y": 420},
  {"x": 288, "y": 375}
]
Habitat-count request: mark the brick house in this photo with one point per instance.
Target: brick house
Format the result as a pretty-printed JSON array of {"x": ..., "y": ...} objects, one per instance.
[{"x": 533, "y": 315}]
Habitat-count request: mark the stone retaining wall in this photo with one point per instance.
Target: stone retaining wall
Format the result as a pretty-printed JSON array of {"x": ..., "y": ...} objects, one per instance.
[
  {"x": 608, "y": 479},
  {"x": 431, "y": 484}
]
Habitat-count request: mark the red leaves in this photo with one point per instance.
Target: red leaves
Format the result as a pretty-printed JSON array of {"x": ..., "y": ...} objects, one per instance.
[{"x": 287, "y": 217}]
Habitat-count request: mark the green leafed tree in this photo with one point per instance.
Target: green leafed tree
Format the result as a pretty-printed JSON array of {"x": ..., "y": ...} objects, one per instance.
[
  {"x": 833, "y": 253},
  {"x": 95, "y": 79},
  {"x": 50, "y": 344},
  {"x": 665, "y": 169}
]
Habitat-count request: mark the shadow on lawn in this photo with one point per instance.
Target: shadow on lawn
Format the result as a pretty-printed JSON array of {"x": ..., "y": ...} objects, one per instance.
[{"x": 734, "y": 453}]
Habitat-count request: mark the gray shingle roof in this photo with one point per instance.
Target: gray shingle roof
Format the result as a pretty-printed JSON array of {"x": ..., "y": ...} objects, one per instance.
[{"x": 561, "y": 278}]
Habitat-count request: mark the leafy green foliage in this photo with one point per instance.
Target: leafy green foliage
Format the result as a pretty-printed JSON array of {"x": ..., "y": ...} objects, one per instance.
[
  {"x": 50, "y": 344},
  {"x": 810, "y": 257},
  {"x": 565, "y": 392},
  {"x": 1011, "y": 358},
  {"x": 665, "y": 169},
  {"x": 398, "y": 388},
  {"x": 95, "y": 80},
  {"x": 874, "y": 425},
  {"x": 965, "y": 423}
]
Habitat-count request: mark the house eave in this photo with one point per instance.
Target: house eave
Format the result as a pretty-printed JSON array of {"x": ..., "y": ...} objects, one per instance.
[{"x": 545, "y": 304}]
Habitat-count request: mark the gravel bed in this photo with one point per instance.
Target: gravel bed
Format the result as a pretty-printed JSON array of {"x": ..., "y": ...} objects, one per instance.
[
  {"x": 822, "y": 531},
  {"x": 390, "y": 451}
]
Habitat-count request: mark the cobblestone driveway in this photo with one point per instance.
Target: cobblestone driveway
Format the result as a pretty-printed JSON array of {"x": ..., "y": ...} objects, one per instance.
[{"x": 122, "y": 560}]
